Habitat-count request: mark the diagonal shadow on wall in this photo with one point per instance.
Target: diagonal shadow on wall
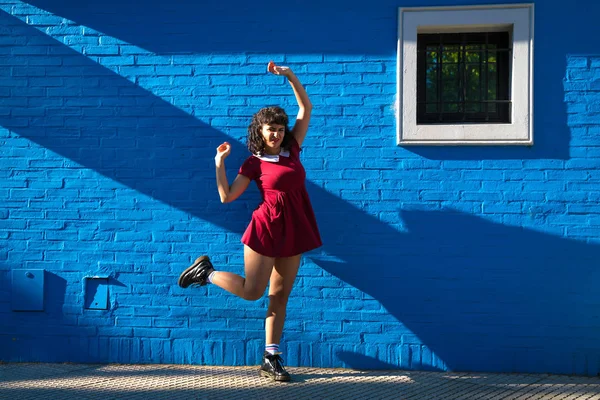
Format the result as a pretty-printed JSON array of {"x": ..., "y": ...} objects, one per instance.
[
  {"x": 294, "y": 27},
  {"x": 148, "y": 145},
  {"x": 475, "y": 292},
  {"x": 334, "y": 28},
  {"x": 471, "y": 290}
]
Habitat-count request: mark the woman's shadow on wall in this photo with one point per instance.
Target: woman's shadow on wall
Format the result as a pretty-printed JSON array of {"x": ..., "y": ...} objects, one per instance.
[{"x": 470, "y": 289}]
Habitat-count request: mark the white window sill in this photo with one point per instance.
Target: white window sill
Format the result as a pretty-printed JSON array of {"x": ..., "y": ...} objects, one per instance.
[{"x": 518, "y": 18}]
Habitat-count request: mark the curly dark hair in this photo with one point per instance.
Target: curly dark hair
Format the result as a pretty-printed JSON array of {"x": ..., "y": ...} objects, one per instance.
[{"x": 267, "y": 116}]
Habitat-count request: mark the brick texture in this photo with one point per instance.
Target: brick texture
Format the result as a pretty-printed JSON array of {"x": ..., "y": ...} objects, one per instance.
[{"x": 434, "y": 258}]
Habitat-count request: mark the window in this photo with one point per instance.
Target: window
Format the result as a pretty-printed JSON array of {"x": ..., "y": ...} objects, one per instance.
[
  {"x": 462, "y": 77},
  {"x": 465, "y": 75}
]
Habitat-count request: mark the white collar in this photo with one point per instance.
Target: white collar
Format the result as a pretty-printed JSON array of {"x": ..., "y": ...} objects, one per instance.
[{"x": 272, "y": 157}]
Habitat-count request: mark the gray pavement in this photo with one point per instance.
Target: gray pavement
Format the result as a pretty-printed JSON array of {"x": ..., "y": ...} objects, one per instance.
[{"x": 25, "y": 381}]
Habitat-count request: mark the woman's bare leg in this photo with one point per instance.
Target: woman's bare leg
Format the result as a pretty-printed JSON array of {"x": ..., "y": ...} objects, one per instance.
[
  {"x": 257, "y": 269},
  {"x": 282, "y": 280}
]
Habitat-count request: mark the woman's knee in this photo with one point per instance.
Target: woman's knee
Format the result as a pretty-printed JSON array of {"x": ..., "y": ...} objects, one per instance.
[
  {"x": 278, "y": 301},
  {"x": 253, "y": 293}
]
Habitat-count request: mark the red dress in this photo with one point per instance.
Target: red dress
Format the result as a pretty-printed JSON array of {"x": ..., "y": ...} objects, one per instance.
[{"x": 284, "y": 224}]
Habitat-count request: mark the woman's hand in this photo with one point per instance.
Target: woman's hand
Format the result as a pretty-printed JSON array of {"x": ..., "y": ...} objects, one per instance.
[
  {"x": 222, "y": 152},
  {"x": 277, "y": 70}
]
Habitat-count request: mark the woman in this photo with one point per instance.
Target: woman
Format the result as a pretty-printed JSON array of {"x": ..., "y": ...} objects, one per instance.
[{"x": 282, "y": 227}]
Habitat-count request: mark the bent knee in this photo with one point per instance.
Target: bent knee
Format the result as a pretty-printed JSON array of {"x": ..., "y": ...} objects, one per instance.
[
  {"x": 278, "y": 301},
  {"x": 253, "y": 294}
]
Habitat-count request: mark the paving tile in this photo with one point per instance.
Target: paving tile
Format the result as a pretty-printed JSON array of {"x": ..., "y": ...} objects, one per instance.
[{"x": 174, "y": 382}]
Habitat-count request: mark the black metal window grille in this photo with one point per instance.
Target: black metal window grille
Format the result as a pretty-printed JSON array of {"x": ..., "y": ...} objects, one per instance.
[{"x": 463, "y": 77}]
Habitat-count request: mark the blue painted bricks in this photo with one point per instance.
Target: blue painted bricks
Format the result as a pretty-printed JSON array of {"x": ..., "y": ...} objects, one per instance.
[{"x": 434, "y": 258}]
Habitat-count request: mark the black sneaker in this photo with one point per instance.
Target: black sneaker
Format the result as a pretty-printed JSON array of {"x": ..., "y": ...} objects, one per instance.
[
  {"x": 197, "y": 273},
  {"x": 272, "y": 367}
]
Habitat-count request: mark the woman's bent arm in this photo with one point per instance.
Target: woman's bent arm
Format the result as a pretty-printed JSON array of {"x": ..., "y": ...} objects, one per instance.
[
  {"x": 305, "y": 108},
  {"x": 230, "y": 193},
  {"x": 240, "y": 184}
]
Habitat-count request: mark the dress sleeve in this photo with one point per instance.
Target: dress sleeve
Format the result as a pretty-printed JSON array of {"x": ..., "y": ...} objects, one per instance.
[
  {"x": 295, "y": 147},
  {"x": 250, "y": 168}
]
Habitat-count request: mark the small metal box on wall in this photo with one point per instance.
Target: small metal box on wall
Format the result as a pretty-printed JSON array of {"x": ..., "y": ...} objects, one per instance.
[
  {"x": 96, "y": 293},
  {"x": 28, "y": 290}
]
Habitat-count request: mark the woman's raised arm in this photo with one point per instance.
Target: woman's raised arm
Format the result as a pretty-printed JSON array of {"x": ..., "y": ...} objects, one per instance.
[{"x": 305, "y": 106}]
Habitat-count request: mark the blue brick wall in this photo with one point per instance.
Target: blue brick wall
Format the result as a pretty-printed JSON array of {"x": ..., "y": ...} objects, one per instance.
[{"x": 435, "y": 258}]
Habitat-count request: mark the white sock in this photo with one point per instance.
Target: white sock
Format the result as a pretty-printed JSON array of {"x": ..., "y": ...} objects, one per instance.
[
  {"x": 272, "y": 348},
  {"x": 211, "y": 276}
]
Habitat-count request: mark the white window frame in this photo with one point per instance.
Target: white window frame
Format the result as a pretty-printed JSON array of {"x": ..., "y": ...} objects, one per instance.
[{"x": 518, "y": 19}]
